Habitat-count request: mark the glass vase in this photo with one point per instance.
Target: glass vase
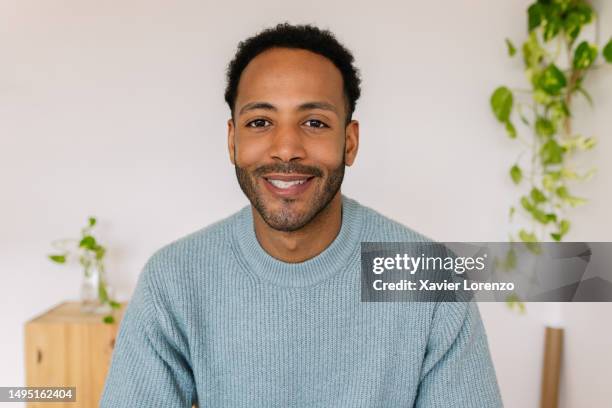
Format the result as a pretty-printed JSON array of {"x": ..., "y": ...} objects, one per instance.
[{"x": 92, "y": 289}]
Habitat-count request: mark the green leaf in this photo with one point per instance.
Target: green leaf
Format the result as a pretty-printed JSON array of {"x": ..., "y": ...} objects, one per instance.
[
  {"x": 588, "y": 174},
  {"x": 542, "y": 97},
  {"x": 58, "y": 258},
  {"x": 558, "y": 110},
  {"x": 564, "y": 226},
  {"x": 100, "y": 251},
  {"x": 573, "y": 25},
  {"x": 586, "y": 143},
  {"x": 572, "y": 175},
  {"x": 537, "y": 195},
  {"x": 577, "y": 142},
  {"x": 534, "y": 247},
  {"x": 577, "y": 15},
  {"x": 526, "y": 204},
  {"x": 527, "y": 236},
  {"x": 568, "y": 174},
  {"x": 88, "y": 242},
  {"x": 540, "y": 216},
  {"x": 607, "y": 51},
  {"x": 584, "y": 56},
  {"x": 511, "y": 47},
  {"x": 516, "y": 174},
  {"x": 551, "y": 152},
  {"x": 552, "y": 80},
  {"x": 513, "y": 300},
  {"x": 544, "y": 127},
  {"x": 551, "y": 28},
  {"x": 109, "y": 319},
  {"x": 564, "y": 194},
  {"x": 92, "y": 221},
  {"x": 533, "y": 53},
  {"x": 115, "y": 305},
  {"x": 562, "y": 5},
  {"x": 582, "y": 11},
  {"x": 537, "y": 214},
  {"x": 511, "y": 130},
  {"x": 550, "y": 179},
  {"x": 531, "y": 241},
  {"x": 501, "y": 103},
  {"x": 534, "y": 16}
]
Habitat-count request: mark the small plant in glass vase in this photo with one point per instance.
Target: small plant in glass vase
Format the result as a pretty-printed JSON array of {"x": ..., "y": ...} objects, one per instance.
[{"x": 96, "y": 295}]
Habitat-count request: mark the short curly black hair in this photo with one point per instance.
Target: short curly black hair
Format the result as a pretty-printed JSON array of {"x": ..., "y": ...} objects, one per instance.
[{"x": 307, "y": 37}]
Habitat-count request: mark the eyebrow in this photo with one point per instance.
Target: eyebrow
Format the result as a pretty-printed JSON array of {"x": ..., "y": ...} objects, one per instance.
[{"x": 303, "y": 107}]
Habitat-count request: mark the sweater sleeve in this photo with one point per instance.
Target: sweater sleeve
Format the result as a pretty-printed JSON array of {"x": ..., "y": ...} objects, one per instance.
[
  {"x": 457, "y": 369},
  {"x": 150, "y": 365}
]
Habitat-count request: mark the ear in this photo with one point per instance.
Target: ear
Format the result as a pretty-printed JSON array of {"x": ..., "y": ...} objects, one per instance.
[
  {"x": 352, "y": 142},
  {"x": 231, "y": 139}
]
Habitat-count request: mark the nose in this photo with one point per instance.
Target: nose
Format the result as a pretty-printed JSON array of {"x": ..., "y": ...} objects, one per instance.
[{"x": 287, "y": 144}]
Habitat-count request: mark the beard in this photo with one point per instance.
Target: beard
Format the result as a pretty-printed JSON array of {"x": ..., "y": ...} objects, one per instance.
[{"x": 289, "y": 218}]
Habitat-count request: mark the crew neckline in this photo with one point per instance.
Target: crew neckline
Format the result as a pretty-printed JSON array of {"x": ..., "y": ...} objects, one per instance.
[{"x": 311, "y": 271}]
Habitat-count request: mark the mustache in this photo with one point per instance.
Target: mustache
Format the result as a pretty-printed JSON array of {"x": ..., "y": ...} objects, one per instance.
[{"x": 291, "y": 167}]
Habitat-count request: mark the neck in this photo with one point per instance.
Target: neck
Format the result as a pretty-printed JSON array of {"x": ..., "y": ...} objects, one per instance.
[{"x": 305, "y": 243}]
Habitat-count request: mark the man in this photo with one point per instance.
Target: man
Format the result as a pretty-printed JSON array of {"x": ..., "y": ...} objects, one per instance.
[{"x": 262, "y": 309}]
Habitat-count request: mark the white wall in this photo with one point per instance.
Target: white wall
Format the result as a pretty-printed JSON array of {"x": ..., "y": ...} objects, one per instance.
[{"x": 115, "y": 109}]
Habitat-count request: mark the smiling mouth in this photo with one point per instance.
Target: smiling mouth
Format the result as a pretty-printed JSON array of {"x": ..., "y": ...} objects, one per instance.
[{"x": 286, "y": 185}]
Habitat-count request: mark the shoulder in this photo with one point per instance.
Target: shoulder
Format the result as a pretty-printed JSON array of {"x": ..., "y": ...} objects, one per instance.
[
  {"x": 381, "y": 228},
  {"x": 195, "y": 249}
]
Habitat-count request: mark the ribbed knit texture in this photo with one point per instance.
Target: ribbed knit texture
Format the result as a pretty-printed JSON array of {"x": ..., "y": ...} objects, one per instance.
[{"x": 215, "y": 320}]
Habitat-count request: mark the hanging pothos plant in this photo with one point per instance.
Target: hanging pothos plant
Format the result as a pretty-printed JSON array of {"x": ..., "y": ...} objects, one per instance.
[{"x": 557, "y": 60}]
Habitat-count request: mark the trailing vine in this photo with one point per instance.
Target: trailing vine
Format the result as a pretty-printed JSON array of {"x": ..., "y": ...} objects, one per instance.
[{"x": 557, "y": 61}]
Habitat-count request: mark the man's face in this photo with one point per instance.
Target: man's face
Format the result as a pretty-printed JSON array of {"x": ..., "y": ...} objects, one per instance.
[{"x": 288, "y": 140}]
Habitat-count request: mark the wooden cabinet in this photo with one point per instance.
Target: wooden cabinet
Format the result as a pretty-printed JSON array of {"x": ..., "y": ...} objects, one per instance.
[{"x": 66, "y": 348}]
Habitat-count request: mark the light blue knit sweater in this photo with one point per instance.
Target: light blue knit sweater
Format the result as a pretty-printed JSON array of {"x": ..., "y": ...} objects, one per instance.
[{"x": 215, "y": 320}]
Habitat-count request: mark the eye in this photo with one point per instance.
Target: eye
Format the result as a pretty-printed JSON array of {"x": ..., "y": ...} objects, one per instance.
[
  {"x": 316, "y": 123},
  {"x": 257, "y": 123}
]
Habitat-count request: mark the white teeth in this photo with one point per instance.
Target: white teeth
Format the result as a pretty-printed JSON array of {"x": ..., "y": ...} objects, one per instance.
[{"x": 285, "y": 184}]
